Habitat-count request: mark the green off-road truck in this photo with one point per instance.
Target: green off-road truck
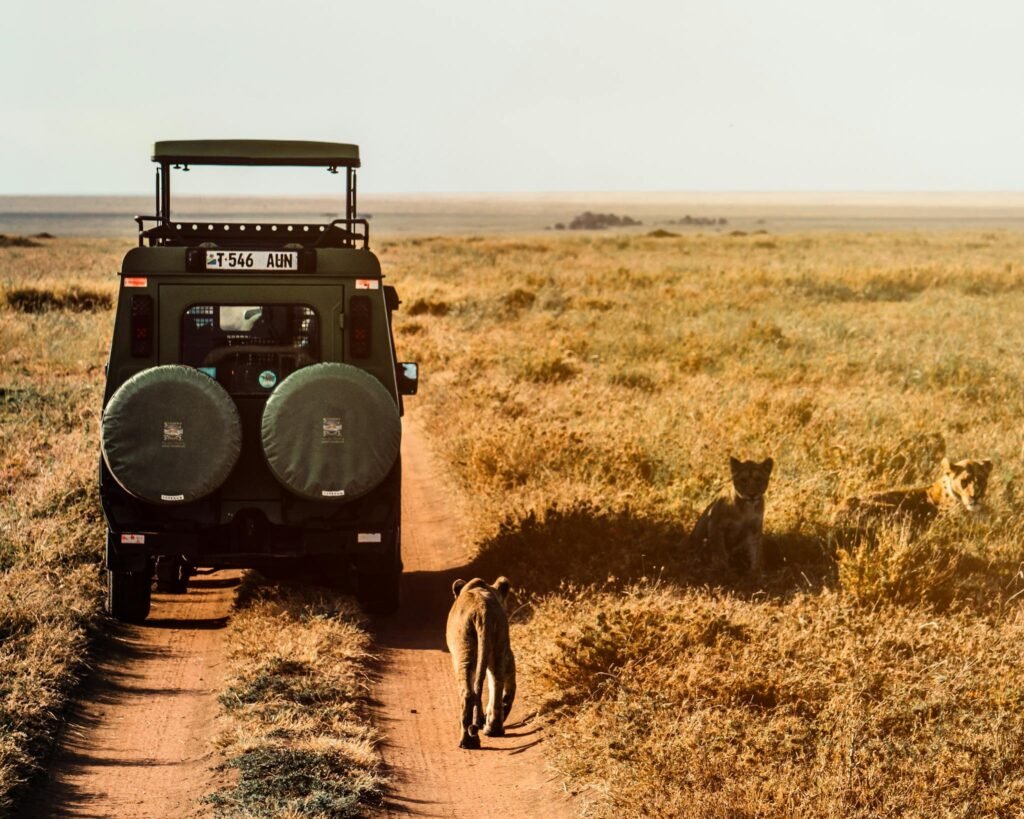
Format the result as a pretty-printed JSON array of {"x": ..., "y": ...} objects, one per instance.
[{"x": 253, "y": 402}]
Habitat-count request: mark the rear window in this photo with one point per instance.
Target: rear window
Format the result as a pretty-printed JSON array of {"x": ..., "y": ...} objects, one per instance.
[{"x": 250, "y": 348}]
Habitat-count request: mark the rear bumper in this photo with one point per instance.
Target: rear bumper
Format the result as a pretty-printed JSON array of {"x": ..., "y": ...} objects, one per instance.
[
  {"x": 235, "y": 534},
  {"x": 245, "y": 546}
]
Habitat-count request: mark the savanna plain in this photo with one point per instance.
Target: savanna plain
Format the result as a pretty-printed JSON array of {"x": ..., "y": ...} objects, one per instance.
[{"x": 586, "y": 392}]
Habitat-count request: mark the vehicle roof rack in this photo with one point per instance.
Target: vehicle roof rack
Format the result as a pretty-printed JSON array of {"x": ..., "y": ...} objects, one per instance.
[
  {"x": 345, "y": 232},
  {"x": 256, "y": 152}
]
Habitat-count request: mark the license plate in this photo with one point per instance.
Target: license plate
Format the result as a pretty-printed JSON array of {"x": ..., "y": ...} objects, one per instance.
[{"x": 252, "y": 260}]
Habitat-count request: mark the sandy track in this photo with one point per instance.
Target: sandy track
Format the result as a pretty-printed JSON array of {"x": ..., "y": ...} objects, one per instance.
[
  {"x": 137, "y": 743},
  {"x": 417, "y": 711}
]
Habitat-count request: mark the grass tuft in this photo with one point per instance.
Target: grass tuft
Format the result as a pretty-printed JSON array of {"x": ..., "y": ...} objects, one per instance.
[
  {"x": 72, "y": 297},
  {"x": 299, "y": 781}
]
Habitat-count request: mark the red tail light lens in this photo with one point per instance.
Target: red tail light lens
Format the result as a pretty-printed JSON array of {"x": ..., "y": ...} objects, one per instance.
[
  {"x": 360, "y": 326},
  {"x": 142, "y": 326}
]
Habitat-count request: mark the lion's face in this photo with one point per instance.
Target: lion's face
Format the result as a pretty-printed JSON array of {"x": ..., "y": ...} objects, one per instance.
[
  {"x": 750, "y": 477},
  {"x": 966, "y": 481}
]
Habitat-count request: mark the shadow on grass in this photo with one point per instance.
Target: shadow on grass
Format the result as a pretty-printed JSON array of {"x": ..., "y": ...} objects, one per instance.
[{"x": 585, "y": 545}]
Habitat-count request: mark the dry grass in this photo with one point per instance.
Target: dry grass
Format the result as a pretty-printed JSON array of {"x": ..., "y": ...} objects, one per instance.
[
  {"x": 51, "y": 531},
  {"x": 294, "y": 723},
  {"x": 674, "y": 702},
  {"x": 588, "y": 392}
]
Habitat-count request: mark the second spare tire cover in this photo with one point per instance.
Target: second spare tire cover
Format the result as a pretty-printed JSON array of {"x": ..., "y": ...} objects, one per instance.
[
  {"x": 170, "y": 434},
  {"x": 331, "y": 432}
]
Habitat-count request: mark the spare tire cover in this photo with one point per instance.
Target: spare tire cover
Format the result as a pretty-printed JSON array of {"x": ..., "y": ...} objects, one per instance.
[
  {"x": 170, "y": 435},
  {"x": 331, "y": 432}
]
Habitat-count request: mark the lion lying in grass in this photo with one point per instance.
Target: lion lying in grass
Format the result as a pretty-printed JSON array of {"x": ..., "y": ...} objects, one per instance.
[
  {"x": 477, "y": 636},
  {"x": 960, "y": 487}
]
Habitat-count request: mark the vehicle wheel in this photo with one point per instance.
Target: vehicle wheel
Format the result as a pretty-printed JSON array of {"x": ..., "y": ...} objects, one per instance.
[
  {"x": 129, "y": 595},
  {"x": 378, "y": 590},
  {"x": 172, "y": 574}
]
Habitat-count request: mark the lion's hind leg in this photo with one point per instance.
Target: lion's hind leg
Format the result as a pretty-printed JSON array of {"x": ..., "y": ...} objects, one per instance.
[
  {"x": 509, "y": 694},
  {"x": 495, "y": 726},
  {"x": 466, "y": 673}
]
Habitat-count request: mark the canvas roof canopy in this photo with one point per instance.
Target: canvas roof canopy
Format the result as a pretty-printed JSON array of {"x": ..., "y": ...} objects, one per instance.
[{"x": 256, "y": 152}]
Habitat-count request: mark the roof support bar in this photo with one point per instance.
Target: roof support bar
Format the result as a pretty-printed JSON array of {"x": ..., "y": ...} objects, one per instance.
[{"x": 165, "y": 192}]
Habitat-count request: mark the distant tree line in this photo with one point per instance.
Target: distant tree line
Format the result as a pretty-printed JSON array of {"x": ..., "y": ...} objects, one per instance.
[
  {"x": 598, "y": 221},
  {"x": 588, "y": 220}
]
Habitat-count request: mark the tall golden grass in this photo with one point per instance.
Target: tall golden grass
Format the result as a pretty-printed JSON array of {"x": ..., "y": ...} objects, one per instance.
[
  {"x": 51, "y": 528},
  {"x": 588, "y": 392}
]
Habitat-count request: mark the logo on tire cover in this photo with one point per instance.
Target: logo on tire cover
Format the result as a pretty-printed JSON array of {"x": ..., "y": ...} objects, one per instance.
[
  {"x": 332, "y": 431},
  {"x": 174, "y": 434}
]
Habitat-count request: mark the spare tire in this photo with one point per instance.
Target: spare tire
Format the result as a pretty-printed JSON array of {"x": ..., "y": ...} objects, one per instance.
[
  {"x": 331, "y": 432},
  {"x": 170, "y": 435}
]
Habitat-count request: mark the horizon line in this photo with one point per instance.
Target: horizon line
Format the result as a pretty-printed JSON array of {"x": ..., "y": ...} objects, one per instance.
[{"x": 560, "y": 192}]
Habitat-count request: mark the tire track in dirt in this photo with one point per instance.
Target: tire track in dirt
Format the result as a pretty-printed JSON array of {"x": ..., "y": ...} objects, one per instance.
[
  {"x": 417, "y": 705},
  {"x": 137, "y": 743}
]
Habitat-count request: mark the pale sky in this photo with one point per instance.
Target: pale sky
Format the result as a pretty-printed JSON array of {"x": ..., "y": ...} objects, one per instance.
[{"x": 471, "y": 95}]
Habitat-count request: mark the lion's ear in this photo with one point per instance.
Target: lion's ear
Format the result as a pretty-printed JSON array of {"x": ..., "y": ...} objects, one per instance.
[
  {"x": 947, "y": 467},
  {"x": 986, "y": 467},
  {"x": 767, "y": 465},
  {"x": 457, "y": 587},
  {"x": 503, "y": 586},
  {"x": 734, "y": 464}
]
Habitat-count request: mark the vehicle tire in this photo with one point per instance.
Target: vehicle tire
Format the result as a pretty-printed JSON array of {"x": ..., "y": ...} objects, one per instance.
[
  {"x": 378, "y": 589},
  {"x": 129, "y": 595},
  {"x": 170, "y": 435},
  {"x": 331, "y": 432}
]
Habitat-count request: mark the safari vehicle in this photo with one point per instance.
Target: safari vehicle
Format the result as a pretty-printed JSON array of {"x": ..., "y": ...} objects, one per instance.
[{"x": 253, "y": 401}]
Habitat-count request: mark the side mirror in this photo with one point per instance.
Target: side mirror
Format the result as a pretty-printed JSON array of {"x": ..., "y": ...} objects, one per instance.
[{"x": 408, "y": 377}]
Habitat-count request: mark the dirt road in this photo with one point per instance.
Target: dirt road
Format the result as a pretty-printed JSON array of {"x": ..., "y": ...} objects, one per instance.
[
  {"x": 138, "y": 744},
  {"x": 418, "y": 711}
]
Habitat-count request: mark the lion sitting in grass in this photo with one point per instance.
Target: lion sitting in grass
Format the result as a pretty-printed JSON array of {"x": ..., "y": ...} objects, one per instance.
[
  {"x": 960, "y": 487},
  {"x": 477, "y": 636},
  {"x": 734, "y": 521}
]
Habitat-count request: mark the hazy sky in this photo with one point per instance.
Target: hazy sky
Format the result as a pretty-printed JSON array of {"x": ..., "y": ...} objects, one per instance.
[{"x": 470, "y": 95}]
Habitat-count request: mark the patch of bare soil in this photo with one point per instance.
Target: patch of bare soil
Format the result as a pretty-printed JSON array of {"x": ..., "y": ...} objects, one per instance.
[
  {"x": 138, "y": 741},
  {"x": 417, "y": 705}
]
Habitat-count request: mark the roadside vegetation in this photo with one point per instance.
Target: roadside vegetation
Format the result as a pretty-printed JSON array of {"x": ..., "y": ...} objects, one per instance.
[
  {"x": 51, "y": 528},
  {"x": 588, "y": 392}
]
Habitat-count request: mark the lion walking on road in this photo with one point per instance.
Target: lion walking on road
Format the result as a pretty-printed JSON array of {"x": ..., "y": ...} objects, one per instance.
[{"x": 477, "y": 636}]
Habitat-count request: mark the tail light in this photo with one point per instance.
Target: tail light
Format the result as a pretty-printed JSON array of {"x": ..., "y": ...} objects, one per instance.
[
  {"x": 360, "y": 326},
  {"x": 142, "y": 326}
]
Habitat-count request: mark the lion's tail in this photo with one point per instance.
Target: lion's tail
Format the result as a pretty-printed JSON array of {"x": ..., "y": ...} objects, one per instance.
[{"x": 481, "y": 659}]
